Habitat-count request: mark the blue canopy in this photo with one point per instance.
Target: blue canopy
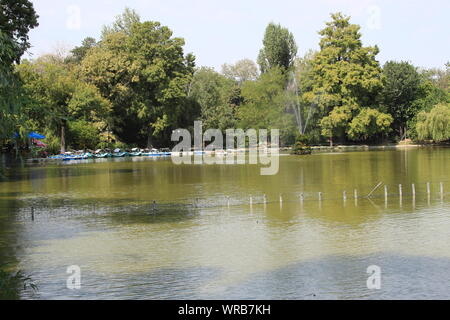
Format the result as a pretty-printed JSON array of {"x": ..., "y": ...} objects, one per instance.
[{"x": 34, "y": 135}]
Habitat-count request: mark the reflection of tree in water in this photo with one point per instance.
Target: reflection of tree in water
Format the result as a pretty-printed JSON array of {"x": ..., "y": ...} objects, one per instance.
[
  {"x": 12, "y": 281},
  {"x": 117, "y": 211},
  {"x": 151, "y": 213}
]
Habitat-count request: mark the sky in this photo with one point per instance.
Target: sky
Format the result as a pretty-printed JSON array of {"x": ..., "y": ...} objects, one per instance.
[{"x": 225, "y": 31}]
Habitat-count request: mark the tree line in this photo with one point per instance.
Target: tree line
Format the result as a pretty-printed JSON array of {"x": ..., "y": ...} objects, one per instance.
[{"x": 135, "y": 85}]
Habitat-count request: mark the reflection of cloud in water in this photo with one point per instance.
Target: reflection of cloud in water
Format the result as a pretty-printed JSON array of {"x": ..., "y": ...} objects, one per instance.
[
  {"x": 344, "y": 277},
  {"x": 334, "y": 277}
]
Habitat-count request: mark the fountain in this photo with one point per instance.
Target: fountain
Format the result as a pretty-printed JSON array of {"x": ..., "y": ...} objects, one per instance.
[
  {"x": 302, "y": 116},
  {"x": 293, "y": 103}
]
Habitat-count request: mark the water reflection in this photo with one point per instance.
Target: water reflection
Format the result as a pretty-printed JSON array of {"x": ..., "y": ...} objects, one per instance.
[
  {"x": 345, "y": 277},
  {"x": 202, "y": 238}
]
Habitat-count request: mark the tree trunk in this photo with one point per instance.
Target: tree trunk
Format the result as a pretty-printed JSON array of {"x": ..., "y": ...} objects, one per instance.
[
  {"x": 63, "y": 137},
  {"x": 331, "y": 141},
  {"x": 149, "y": 139}
]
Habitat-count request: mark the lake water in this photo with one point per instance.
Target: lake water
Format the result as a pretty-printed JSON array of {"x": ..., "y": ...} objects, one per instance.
[{"x": 203, "y": 240}]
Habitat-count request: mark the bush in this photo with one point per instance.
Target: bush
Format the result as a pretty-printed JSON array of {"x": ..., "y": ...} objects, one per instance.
[
  {"x": 300, "y": 147},
  {"x": 82, "y": 135},
  {"x": 11, "y": 285}
]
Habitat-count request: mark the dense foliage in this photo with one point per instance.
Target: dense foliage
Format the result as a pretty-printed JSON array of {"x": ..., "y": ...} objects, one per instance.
[
  {"x": 135, "y": 85},
  {"x": 13, "y": 284},
  {"x": 279, "y": 48},
  {"x": 17, "y": 17},
  {"x": 142, "y": 70},
  {"x": 435, "y": 125},
  {"x": 347, "y": 79}
]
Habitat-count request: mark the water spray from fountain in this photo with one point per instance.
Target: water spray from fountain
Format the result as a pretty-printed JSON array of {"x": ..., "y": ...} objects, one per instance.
[{"x": 293, "y": 102}]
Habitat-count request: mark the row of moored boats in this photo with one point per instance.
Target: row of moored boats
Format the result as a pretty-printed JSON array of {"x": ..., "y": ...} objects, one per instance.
[{"x": 117, "y": 153}]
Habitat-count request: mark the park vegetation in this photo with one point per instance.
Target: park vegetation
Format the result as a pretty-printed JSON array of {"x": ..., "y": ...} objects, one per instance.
[{"x": 135, "y": 85}]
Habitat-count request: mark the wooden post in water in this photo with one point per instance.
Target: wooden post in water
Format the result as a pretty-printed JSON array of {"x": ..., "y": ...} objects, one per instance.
[
  {"x": 281, "y": 199},
  {"x": 400, "y": 193},
  {"x": 441, "y": 190},
  {"x": 413, "y": 188},
  {"x": 385, "y": 196},
  {"x": 32, "y": 213},
  {"x": 251, "y": 201},
  {"x": 356, "y": 197},
  {"x": 428, "y": 192},
  {"x": 320, "y": 200},
  {"x": 344, "y": 198},
  {"x": 302, "y": 199}
]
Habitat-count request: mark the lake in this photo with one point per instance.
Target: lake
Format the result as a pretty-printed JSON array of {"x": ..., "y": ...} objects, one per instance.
[{"x": 149, "y": 229}]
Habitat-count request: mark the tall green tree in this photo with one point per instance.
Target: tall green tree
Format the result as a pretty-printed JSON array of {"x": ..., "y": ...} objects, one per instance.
[
  {"x": 56, "y": 98},
  {"x": 143, "y": 71},
  {"x": 17, "y": 17},
  {"x": 279, "y": 48},
  {"x": 9, "y": 105},
  {"x": 347, "y": 78},
  {"x": 402, "y": 88}
]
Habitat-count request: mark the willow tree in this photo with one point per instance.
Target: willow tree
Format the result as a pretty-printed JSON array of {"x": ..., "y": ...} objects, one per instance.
[
  {"x": 435, "y": 124},
  {"x": 347, "y": 79}
]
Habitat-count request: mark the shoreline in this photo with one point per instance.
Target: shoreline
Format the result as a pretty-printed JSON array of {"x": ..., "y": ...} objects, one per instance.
[{"x": 315, "y": 149}]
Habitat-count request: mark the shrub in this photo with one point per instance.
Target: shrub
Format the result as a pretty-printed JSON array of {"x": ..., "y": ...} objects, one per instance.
[{"x": 11, "y": 285}]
